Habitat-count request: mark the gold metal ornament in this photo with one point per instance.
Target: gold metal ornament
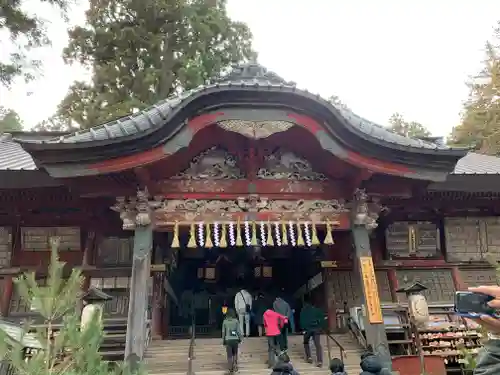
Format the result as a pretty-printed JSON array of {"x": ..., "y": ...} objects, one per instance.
[
  {"x": 192, "y": 237},
  {"x": 175, "y": 241}
]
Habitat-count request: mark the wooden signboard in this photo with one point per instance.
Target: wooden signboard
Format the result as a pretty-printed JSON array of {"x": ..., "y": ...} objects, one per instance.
[
  {"x": 328, "y": 264},
  {"x": 371, "y": 291}
]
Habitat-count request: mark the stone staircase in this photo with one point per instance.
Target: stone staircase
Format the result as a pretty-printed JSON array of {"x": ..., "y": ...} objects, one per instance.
[{"x": 170, "y": 357}]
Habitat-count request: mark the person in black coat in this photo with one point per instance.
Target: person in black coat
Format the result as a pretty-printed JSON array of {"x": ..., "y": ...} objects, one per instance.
[
  {"x": 284, "y": 366},
  {"x": 337, "y": 367},
  {"x": 372, "y": 365}
]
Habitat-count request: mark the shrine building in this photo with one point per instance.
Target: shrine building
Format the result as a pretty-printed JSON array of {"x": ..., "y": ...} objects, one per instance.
[{"x": 248, "y": 182}]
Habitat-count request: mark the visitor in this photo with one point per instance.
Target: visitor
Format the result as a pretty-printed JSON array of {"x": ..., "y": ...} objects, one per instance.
[
  {"x": 312, "y": 321},
  {"x": 337, "y": 367},
  {"x": 284, "y": 366},
  {"x": 273, "y": 324},
  {"x": 282, "y": 307},
  {"x": 259, "y": 308},
  {"x": 372, "y": 365},
  {"x": 231, "y": 339},
  {"x": 488, "y": 359},
  {"x": 243, "y": 306}
]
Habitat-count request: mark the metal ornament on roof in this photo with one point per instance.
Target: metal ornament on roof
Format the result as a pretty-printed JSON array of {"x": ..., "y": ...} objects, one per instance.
[{"x": 253, "y": 70}]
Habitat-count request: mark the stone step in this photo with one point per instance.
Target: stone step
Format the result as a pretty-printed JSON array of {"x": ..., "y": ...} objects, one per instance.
[{"x": 170, "y": 357}]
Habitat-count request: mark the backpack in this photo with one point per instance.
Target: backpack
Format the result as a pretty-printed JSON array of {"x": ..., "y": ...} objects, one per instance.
[{"x": 232, "y": 327}]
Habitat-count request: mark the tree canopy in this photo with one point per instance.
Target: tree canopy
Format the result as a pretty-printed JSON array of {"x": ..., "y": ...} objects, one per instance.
[
  {"x": 26, "y": 31},
  {"x": 142, "y": 51},
  {"x": 9, "y": 121},
  {"x": 480, "y": 123},
  {"x": 405, "y": 128}
]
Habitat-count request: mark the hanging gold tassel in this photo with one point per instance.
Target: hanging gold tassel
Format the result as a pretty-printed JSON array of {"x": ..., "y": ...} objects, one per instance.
[
  {"x": 239, "y": 241},
  {"x": 328, "y": 238},
  {"x": 270, "y": 240},
  {"x": 284, "y": 234},
  {"x": 223, "y": 240},
  {"x": 208, "y": 241},
  {"x": 253, "y": 241},
  {"x": 300, "y": 238},
  {"x": 192, "y": 237},
  {"x": 314, "y": 235},
  {"x": 175, "y": 240}
]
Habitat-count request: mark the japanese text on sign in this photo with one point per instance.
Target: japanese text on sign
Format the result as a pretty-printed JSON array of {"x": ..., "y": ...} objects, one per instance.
[{"x": 371, "y": 291}]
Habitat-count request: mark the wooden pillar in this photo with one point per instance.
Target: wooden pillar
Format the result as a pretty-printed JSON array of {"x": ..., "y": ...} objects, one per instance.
[
  {"x": 393, "y": 284},
  {"x": 457, "y": 279},
  {"x": 6, "y": 295},
  {"x": 156, "y": 314},
  {"x": 362, "y": 221},
  {"x": 139, "y": 219},
  {"x": 331, "y": 308}
]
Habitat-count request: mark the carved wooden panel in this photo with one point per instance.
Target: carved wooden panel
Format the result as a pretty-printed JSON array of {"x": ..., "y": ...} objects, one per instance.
[
  {"x": 37, "y": 238},
  {"x": 384, "y": 288},
  {"x": 20, "y": 306},
  {"x": 346, "y": 286},
  {"x": 492, "y": 239},
  {"x": 441, "y": 287},
  {"x": 463, "y": 242},
  {"x": 118, "y": 306},
  {"x": 476, "y": 277},
  {"x": 5, "y": 246},
  {"x": 412, "y": 239},
  {"x": 114, "y": 251}
]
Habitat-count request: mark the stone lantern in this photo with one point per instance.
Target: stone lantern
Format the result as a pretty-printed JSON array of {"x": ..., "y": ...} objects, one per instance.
[
  {"x": 417, "y": 303},
  {"x": 94, "y": 301}
]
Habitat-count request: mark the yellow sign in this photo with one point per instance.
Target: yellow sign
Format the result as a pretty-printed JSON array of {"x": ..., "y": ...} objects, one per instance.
[
  {"x": 328, "y": 264},
  {"x": 371, "y": 291}
]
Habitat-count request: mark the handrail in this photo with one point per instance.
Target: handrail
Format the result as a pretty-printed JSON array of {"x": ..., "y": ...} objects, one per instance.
[
  {"x": 192, "y": 342},
  {"x": 343, "y": 354},
  {"x": 356, "y": 332}
]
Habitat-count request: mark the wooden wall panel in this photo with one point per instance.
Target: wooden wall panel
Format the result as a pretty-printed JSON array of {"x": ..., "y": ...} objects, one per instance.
[
  {"x": 477, "y": 277},
  {"x": 463, "y": 241},
  {"x": 5, "y": 247},
  {"x": 439, "y": 282}
]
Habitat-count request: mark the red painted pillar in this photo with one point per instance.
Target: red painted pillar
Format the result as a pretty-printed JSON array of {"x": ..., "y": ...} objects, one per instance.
[
  {"x": 457, "y": 279},
  {"x": 8, "y": 284},
  {"x": 331, "y": 308},
  {"x": 393, "y": 283},
  {"x": 156, "y": 313}
]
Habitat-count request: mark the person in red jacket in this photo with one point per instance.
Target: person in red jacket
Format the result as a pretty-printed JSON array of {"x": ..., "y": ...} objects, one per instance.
[{"x": 273, "y": 323}]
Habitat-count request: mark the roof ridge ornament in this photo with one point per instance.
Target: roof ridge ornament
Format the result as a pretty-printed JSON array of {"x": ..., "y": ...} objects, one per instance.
[{"x": 253, "y": 70}]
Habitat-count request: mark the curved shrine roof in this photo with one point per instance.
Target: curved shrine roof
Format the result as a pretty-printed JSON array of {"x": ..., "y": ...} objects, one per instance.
[
  {"x": 251, "y": 77},
  {"x": 249, "y": 90}
]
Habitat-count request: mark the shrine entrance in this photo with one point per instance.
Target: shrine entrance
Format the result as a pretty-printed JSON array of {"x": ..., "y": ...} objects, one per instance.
[{"x": 205, "y": 280}]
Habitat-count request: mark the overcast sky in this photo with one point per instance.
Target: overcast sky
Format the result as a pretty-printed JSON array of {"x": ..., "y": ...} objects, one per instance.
[{"x": 379, "y": 57}]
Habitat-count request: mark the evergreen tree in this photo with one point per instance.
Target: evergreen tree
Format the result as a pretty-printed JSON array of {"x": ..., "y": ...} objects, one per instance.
[
  {"x": 26, "y": 31},
  {"x": 70, "y": 351},
  {"x": 411, "y": 129},
  {"x": 142, "y": 51},
  {"x": 9, "y": 120},
  {"x": 480, "y": 123}
]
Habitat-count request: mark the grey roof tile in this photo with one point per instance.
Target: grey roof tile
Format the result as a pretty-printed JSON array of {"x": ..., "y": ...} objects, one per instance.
[
  {"x": 250, "y": 76},
  {"x": 13, "y": 157},
  {"x": 474, "y": 163}
]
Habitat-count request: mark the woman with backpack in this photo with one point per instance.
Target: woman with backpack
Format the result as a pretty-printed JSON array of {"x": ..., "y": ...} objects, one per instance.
[{"x": 231, "y": 339}]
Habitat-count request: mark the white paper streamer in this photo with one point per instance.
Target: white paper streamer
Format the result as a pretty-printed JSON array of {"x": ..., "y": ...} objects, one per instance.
[
  {"x": 248, "y": 239},
  {"x": 277, "y": 232},
  {"x": 307, "y": 234},
  {"x": 232, "y": 237},
  {"x": 263, "y": 233},
  {"x": 291, "y": 233},
  {"x": 201, "y": 239},
  {"x": 216, "y": 235}
]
